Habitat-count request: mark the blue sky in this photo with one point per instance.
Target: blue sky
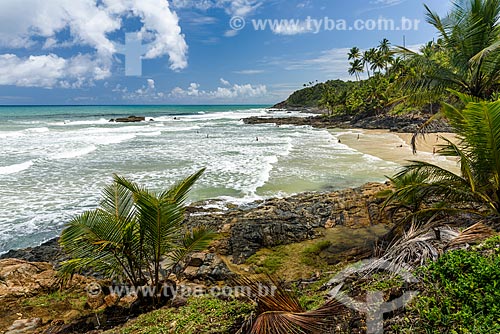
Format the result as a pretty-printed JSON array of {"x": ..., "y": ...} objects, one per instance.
[{"x": 72, "y": 52}]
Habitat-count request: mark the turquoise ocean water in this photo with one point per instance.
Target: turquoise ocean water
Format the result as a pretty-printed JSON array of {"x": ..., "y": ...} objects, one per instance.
[{"x": 54, "y": 161}]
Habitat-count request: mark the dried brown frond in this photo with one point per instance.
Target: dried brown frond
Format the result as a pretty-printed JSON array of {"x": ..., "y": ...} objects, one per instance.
[
  {"x": 280, "y": 312},
  {"x": 472, "y": 235}
]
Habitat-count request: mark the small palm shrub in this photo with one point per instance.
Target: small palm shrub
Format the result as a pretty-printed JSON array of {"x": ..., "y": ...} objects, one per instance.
[{"x": 133, "y": 231}]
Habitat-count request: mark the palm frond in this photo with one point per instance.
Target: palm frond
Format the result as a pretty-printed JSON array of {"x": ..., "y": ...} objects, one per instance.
[
  {"x": 472, "y": 235},
  {"x": 279, "y": 311}
]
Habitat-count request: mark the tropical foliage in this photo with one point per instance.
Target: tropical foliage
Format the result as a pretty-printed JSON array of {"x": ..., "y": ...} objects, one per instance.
[
  {"x": 426, "y": 189},
  {"x": 460, "y": 293},
  {"x": 132, "y": 232},
  {"x": 466, "y": 58}
]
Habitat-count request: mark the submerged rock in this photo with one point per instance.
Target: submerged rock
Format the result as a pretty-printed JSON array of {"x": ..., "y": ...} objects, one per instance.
[{"x": 130, "y": 119}]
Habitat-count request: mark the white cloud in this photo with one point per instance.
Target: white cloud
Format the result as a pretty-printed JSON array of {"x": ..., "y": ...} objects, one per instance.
[
  {"x": 231, "y": 7},
  {"x": 332, "y": 64},
  {"x": 151, "y": 84},
  {"x": 50, "y": 70},
  {"x": 233, "y": 92},
  {"x": 249, "y": 72},
  {"x": 290, "y": 28},
  {"x": 224, "y": 82},
  {"x": 386, "y": 2},
  {"x": 33, "y": 23}
]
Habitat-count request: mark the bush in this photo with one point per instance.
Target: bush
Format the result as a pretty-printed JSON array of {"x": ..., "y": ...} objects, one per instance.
[{"x": 461, "y": 293}]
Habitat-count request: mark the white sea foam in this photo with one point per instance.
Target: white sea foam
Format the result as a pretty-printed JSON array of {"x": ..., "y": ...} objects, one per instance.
[
  {"x": 37, "y": 130},
  {"x": 86, "y": 122},
  {"x": 112, "y": 139},
  {"x": 11, "y": 134},
  {"x": 74, "y": 153},
  {"x": 15, "y": 168},
  {"x": 150, "y": 134}
]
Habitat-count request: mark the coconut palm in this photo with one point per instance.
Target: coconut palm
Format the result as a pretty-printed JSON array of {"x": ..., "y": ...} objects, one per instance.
[
  {"x": 354, "y": 53},
  {"x": 356, "y": 68},
  {"x": 378, "y": 61},
  {"x": 385, "y": 51},
  {"x": 469, "y": 60},
  {"x": 426, "y": 189},
  {"x": 132, "y": 232},
  {"x": 367, "y": 58}
]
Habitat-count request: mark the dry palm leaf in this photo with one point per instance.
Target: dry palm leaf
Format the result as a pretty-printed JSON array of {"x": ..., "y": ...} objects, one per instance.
[
  {"x": 279, "y": 311},
  {"x": 472, "y": 235}
]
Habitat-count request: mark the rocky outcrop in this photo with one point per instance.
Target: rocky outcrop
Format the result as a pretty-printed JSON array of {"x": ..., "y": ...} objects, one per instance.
[
  {"x": 47, "y": 252},
  {"x": 263, "y": 224},
  {"x": 19, "y": 278},
  {"x": 23, "y": 326},
  {"x": 405, "y": 123},
  {"x": 294, "y": 219},
  {"x": 130, "y": 119},
  {"x": 205, "y": 267}
]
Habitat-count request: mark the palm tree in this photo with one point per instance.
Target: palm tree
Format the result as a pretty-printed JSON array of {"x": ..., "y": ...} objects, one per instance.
[
  {"x": 385, "y": 50},
  {"x": 427, "y": 190},
  {"x": 469, "y": 61},
  {"x": 354, "y": 53},
  {"x": 356, "y": 68},
  {"x": 367, "y": 59},
  {"x": 132, "y": 232},
  {"x": 385, "y": 46},
  {"x": 378, "y": 61}
]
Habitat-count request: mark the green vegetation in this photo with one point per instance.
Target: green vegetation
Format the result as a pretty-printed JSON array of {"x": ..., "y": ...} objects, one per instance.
[
  {"x": 132, "y": 232},
  {"x": 426, "y": 189},
  {"x": 200, "y": 315},
  {"x": 309, "y": 255},
  {"x": 75, "y": 299},
  {"x": 266, "y": 262},
  {"x": 461, "y": 293},
  {"x": 467, "y": 56}
]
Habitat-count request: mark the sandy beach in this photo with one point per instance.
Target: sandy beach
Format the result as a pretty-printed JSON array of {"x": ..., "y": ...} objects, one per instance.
[{"x": 396, "y": 147}]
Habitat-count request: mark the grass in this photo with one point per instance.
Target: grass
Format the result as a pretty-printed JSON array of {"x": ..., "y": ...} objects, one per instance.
[
  {"x": 382, "y": 282},
  {"x": 200, "y": 315},
  {"x": 310, "y": 254},
  {"x": 77, "y": 300},
  {"x": 301, "y": 260}
]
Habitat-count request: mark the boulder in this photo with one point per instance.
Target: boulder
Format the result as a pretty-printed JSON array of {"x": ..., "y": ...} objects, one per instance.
[
  {"x": 19, "y": 278},
  {"x": 196, "y": 260},
  {"x": 23, "y": 326},
  {"x": 130, "y": 119}
]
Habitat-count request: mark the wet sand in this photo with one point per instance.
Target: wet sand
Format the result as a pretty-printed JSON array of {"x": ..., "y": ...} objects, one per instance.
[{"x": 396, "y": 147}]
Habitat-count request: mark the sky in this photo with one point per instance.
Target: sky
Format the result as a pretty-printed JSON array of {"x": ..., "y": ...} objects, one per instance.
[{"x": 63, "y": 52}]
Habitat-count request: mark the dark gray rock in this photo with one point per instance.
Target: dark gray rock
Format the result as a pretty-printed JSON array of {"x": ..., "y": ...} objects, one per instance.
[
  {"x": 49, "y": 251},
  {"x": 130, "y": 119},
  {"x": 404, "y": 123}
]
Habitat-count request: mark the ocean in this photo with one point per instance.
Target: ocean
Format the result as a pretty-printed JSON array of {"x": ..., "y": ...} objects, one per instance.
[{"x": 55, "y": 160}]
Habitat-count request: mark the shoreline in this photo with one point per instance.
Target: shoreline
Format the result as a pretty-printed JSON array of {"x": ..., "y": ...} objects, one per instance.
[
  {"x": 396, "y": 147},
  {"x": 400, "y": 124},
  {"x": 391, "y": 146}
]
